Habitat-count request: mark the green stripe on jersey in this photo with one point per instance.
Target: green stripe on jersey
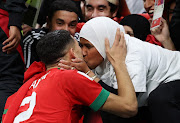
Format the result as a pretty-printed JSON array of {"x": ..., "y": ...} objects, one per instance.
[
  {"x": 5, "y": 111},
  {"x": 102, "y": 97}
]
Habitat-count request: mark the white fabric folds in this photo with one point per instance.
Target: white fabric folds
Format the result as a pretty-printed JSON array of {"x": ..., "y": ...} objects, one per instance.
[{"x": 95, "y": 31}]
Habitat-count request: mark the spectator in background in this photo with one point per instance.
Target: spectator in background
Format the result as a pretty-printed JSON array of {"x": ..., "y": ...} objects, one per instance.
[
  {"x": 45, "y": 8},
  {"x": 136, "y": 26},
  {"x": 62, "y": 15},
  {"x": 170, "y": 8},
  {"x": 107, "y": 8},
  {"x": 43, "y": 13},
  {"x": 94, "y": 8},
  {"x": 11, "y": 63},
  {"x": 160, "y": 33},
  {"x": 175, "y": 25}
]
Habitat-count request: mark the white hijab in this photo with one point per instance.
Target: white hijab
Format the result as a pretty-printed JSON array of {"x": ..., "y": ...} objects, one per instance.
[{"x": 95, "y": 31}]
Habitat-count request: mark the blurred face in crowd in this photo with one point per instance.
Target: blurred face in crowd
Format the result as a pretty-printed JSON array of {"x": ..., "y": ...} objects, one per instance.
[
  {"x": 96, "y": 8},
  {"x": 128, "y": 30},
  {"x": 171, "y": 8},
  {"x": 63, "y": 20},
  {"x": 91, "y": 56},
  {"x": 149, "y": 6}
]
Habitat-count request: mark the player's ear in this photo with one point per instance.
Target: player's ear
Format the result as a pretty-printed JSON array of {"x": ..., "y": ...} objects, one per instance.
[
  {"x": 72, "y": 53},
  {"x": 48, "y": 22}
]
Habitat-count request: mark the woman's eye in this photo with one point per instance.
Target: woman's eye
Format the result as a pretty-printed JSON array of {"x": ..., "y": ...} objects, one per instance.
[{"x": 88, "y": 46}]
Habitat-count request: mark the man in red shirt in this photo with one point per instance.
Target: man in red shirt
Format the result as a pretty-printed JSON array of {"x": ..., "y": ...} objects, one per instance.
[{"x": 51, "y": 94}]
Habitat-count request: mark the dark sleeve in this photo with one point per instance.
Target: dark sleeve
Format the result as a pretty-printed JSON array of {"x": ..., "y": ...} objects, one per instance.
[
  {"x": 108, "y": 88},
  {"x": 175, "y": 25},
  {"x": 108, "y": 117},
  {"x": 111, "y": 89},
  {"x": 29, "y": 45},
  {"x": 15, "y": 9}
]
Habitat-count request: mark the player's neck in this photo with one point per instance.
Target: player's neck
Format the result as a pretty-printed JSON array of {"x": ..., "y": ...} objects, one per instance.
[
  {"x": 55, "y": 64},
  {"x": 51, "y": 67}
]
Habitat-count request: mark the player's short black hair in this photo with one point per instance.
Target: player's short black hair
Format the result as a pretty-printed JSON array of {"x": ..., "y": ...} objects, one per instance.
[
  {"x": 66, "y": 5},
  {"x": 53, "y": 46}
]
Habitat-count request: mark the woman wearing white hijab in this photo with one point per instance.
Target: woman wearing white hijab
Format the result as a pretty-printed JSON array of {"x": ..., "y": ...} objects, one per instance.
[
  {"x": 151, "y": 68},
  {"x": 154, "y": 71},
  {"x": 95, "y": 32}
]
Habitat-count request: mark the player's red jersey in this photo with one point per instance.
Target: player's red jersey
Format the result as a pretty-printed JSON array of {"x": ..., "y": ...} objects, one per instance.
[{"x": 58, "y": 97}]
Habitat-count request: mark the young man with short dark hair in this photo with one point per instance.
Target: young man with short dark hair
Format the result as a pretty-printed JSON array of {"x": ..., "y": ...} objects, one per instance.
[{"x": 63, "y": 15}]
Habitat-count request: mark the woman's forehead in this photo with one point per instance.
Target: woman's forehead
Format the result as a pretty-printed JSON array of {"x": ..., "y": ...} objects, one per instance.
[{"x": 83, "y": 40}]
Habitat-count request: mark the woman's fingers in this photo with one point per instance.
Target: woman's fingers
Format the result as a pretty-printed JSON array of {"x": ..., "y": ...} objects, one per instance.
[
  {"x": 117, "y": 37},
  {"x": 63, "y": 64},
  {"x": 77, "y": 60},
  {"x": 107, "y": 45},
  {"x": 122, "y": 41}
]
